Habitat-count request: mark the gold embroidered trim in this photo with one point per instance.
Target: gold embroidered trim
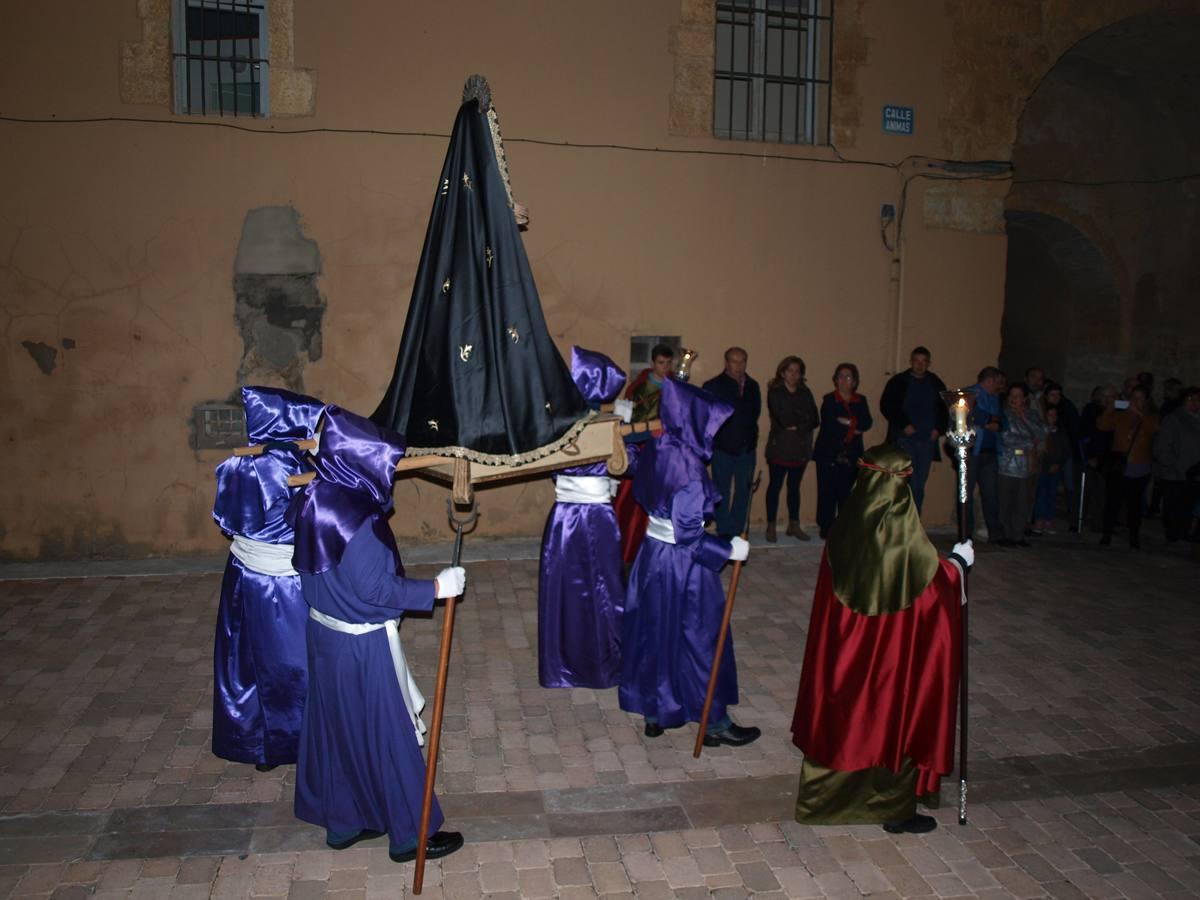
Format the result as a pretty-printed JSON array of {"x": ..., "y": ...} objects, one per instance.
[
  {"x": 498, "y": 146},
  {"x": 515, "y": 459}
]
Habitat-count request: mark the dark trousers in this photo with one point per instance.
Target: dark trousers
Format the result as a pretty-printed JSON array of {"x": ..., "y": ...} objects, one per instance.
[
  {"x": 1128, "y": 492},
  {"x": 792, "y": 474},
  {"x": 731, "y": 474},
  {"x": 921, "y": 451},
  {"x": 1015, "y": 499},
  {"x": 1178, "y": 505},
  {"x": 834, "y": 481}
]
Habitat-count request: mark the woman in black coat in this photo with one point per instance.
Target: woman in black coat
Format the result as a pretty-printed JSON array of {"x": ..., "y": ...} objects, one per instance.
[
  {"x": 844, "y": 417},
  {"x": 794, "y": 417}
]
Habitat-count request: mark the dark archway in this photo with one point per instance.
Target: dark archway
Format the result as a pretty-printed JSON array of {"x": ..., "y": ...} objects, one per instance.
[
  {"x": 1062, "y": 309},
  {"x": 1103, "y": 219}
]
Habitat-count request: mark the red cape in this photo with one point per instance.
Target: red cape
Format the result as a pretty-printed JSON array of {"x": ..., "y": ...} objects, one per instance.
[
  {"x": 876, "y": 690},
  {"x": 631, "y": 518}
]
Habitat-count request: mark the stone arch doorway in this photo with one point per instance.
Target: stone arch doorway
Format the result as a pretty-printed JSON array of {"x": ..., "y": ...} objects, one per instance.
[
  {"x": 1062, "y": 309},
  {"x": 1103, "y": 215}
]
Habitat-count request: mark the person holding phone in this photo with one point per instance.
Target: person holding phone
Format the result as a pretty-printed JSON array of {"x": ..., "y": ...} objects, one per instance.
[{"x": 1128, "y": 465}]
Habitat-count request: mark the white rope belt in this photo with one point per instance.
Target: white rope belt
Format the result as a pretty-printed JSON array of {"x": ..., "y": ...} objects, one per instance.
[
  {"x": 582, "y": 489},
  {"x": 263, "y": 558},
  {"x": 660, "y": 530},
  {"x": 414, "y": 700}
]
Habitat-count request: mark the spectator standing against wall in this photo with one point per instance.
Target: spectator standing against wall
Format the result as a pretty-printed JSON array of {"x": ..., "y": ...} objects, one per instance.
[
  {"x": 1069, "y": 426},
  {"x": 736, "y": 444},
  {"x": 844, "y": 417},
  {"x": 1177, "y": 454},
  {"x": 1127, "y": 466},
  {"x": 1095, "y": 445},
  {"x": 1054, "y": 453},
  {"x": 916, "y": 416},
  {"x": 1019, "y": 438},
  {"x": 794, "y": 418},
  {"x": 981, "y": 461}
]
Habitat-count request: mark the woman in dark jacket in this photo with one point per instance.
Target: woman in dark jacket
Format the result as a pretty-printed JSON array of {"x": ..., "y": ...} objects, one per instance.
[
  {"x": 793, "y": 419},
  {"x": 844, "y": 417}
]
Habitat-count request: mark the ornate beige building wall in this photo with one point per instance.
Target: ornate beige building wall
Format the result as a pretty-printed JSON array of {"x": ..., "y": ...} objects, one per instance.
[{"x": 118, "y": 239}]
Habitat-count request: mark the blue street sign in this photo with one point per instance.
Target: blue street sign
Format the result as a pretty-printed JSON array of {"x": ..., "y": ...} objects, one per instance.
[{"x": 898, "y": 120}]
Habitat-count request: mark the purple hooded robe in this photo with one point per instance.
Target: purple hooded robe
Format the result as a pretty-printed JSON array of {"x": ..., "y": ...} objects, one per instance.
[
  {"x": 581, "y": 582},
  {"x": 259, "y": 668},
  {"x": 360, "y": 765},
  {"x": 674, "y": 601}
]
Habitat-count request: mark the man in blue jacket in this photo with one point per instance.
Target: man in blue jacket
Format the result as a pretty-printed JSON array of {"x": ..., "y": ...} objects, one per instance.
[{"x": 736, "y": 444}]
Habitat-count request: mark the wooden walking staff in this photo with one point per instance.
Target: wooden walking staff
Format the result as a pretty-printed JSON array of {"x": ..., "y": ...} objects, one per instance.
[
  {"x": 721, "y": 635},
  {"x": 962, "y": 435},
  {"x": 439, "y": 697}
]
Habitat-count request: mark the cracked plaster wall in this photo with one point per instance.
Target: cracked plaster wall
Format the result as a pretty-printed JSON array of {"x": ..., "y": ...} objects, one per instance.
[{"x": 124, "y": 238}]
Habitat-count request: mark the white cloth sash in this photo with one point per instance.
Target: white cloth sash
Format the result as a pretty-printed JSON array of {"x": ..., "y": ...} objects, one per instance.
[
  {"x": 414, "y": 700},
  {"x": 962, "y": 580},
  {"x": 660, "y": 530},
  {"x": 582, "y": 489},
  {"x": 263, "y": 558}
]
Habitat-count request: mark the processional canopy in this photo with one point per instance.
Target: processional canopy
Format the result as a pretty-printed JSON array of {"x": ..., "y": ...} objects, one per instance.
[{"x": 477, "y": 375}]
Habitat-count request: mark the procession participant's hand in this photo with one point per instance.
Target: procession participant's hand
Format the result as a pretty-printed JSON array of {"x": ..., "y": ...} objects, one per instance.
[
  {"x": 933, "y": 435},
  {"x": 450, "y": 582},
  {"x": 740, "y": 549},
  {"x": 909, "y": 431},
  {"x": 624, "y": 409},
  {"x": 842, "y": 420},
  {"x": 965, "y": 553}
]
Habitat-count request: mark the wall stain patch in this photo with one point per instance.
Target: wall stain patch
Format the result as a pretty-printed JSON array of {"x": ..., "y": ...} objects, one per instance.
[
  {"x": 44, "y": 355},
  {"x": 278, "y": 308}
]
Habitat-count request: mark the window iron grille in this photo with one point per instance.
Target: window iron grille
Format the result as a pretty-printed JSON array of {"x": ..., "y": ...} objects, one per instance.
[
  {"x": 219, "y": 426},
  {"x": 772, "y": 72},
  {"x": 220, "y": 54}
]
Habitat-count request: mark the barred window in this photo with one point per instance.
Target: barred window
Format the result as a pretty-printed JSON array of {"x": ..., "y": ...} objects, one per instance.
[
  {"x": 220, "y": 52},
  {"x": 772, "y": 70}
]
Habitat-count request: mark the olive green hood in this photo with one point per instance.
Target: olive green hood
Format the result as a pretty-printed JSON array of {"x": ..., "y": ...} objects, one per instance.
[{"x": 879, "y": 555}]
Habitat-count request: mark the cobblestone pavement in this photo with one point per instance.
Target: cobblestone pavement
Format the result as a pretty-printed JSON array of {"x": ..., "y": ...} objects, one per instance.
[{"x": 1085, "y": 748}]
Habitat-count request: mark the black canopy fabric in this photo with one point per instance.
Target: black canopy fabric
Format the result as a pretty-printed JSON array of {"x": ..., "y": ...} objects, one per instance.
[{"x": 477, "y": 375}]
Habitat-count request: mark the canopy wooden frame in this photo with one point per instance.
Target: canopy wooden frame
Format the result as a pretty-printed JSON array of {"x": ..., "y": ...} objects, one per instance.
[{"x": 602, "y": 439}]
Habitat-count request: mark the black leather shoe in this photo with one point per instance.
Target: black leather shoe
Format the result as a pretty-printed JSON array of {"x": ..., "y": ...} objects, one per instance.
[
  {"x": 653, "y": 730},
  {"x": 264, "y": 767},
  {"x": 914, "y": 824},
  {"x": 365, "y": 835},
  {"x": 443, "y": 843},
  {"x": 735, "y": 736}
]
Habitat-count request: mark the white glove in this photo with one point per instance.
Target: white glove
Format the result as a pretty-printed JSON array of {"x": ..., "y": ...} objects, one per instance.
[
  {"x": 450, "y": 582},
  {"x": 966, "y": 550},
  {"x": 740, "y": 549},
  {"x": 624, "y": 409}
]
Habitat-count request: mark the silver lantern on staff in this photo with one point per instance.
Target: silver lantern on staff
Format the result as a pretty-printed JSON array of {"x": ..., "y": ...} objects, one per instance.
[{"x": 683, "y": 366}]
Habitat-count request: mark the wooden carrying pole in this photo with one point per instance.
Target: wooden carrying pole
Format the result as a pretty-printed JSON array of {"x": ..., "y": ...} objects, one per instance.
[
  {"x": 724, "y": 632},
  {"x": 439, "y": 702}
]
